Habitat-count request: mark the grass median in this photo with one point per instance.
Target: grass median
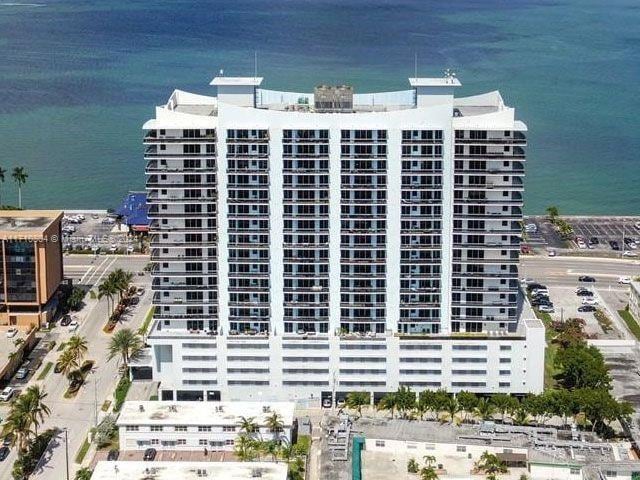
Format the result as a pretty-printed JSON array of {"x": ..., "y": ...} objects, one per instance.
[{"x": 632, "y": 324}]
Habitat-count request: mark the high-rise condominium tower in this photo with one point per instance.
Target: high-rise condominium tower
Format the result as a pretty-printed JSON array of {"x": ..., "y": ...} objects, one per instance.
[{"x": 309, "y": 245}]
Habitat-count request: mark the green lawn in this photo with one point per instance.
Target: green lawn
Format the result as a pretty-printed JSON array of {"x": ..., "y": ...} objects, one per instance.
[
  {"x": 631, "y": 322},
  {"x": 550, "y": 371},
  {"x": 45, "y": 371},
  {"x": 121, "y": 393},
  {"x": 83, "y": 451}
]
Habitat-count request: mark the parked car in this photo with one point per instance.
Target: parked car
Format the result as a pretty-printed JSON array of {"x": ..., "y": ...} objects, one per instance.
[
  {"x": 326, "y": 403},
  {"x": 66, "y": 320},
  {"x": 531, "y": 228},
  {"x": 113, "y": 248},
  {"x": 73, "y": 326},
  {"x": 614, "y": 245},
  {"x": 6, "y": 394},
  {"x": 526, "y": 281},
  {"x": 130, "y": 249},
  {"x": 584, "y": 293},
  {"x": 637, "y": 225},
  {"x": 587, "y": 308},
  {"x": 149, "y": 454},
  {"x": 546, "y": 308},
  {"x": 629, "y": 253},
  {"x": 12, "y": 332},
  {"x": 22, "y": 373},
  {"x": 4, "y": 453},
  {"x": 594, "y": 241},
  {"x": 552, "y": 253},
  {"x": 540, "y": 291},
  {"x": 535, "y": 286},
  {"x": 140, "y": 291},
  {"x": 134, "y": 300},
  {"x": 7, "y": 440},
  {"x": 624, "y": 280},
  {"x": 586, "y": 278},
  {"x": 113, "y": 454},
  {"x": 589, "y": 301}
]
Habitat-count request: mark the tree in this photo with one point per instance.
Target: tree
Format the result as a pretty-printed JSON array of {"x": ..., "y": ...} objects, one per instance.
[
  {"x": 78, "y": 346},
  {"x": 18, "y": 425},
  {"x": 67, "y": 362},
  {"x": 388, "y": 402},
  {"x": 570, "y": 333},
  {"x": 275, "y": 425},
  {"x": 429, "y": 460},
  {"x": 2, "y": 174},
  {"x": 84, "y": 474},
  {"x": 357, "y": 400},
  {"x": 108, "y": 290},
  {"x": 583, "y": 367},
  {"x": 121, "y": 281},
  {"x": 248, "y": 425},
  {"x": 244, "y": 448},
  {"x": 127, "y": 344},
  {"x": 467, "y": 401},
  {"x": 105, "y": 431},
  {"x": 485, "y": 409},
  {"x": 405, "y": 400},
  {"x": 600, "y": 407},
  {"x": 505, "y": 404},
  {"x": 20, "y": 177},
  {"x": 75, "y": 299},
  {"x": 34, "y": 404},
  {"x": 521, "y": 416},
  {"x": 553, "y": 213},
  {"x": 491, "y": 465},
  {"x": 452, "y": 407},
  {"x": 271, "y": 448}
]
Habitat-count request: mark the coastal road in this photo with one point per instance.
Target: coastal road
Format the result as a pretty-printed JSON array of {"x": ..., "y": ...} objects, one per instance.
[
  {"x": 564, "y": 271},
  {"x": 78, "y": 414}
]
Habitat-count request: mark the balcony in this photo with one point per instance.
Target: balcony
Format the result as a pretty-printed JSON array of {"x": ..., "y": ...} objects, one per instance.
[
  {"x": 152, "y": 137},
  {"x": 153, "y": 166},
  {"x": 180, "y": 286},
  {"x": 517, "y": 152},
  {"x": 518, "y": 138},
  {"x": 257, "y": 139},
  {"x": 153, "y": 152}
]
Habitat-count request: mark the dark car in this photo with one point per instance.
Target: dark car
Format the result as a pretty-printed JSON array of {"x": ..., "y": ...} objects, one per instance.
[
  {"x": 149, "y": 454},
  {"x": 66, "y": 320},
  {"x": 535, "y": 286},
  {"x": 594, "y": 241},
  {"x": 134, "y": 300},
  {"x": 614, "y": 245},
  {"x": 586, "y": 278},
  {"x": 4, "y": 453},
  {"x": 8, "y": 440},
  {"x": 586, "y": 308},
  {"x": 584, "y": 293},
  {"x": 113, "y": 455},
  {"x": 540, "y": 302}
]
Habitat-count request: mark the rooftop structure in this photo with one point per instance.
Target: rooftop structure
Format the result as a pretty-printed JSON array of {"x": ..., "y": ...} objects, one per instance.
[
  {"x": 189, "y": 471},
  {"x": 305, "y": 245},
  {"x": 27, "y": 224}
]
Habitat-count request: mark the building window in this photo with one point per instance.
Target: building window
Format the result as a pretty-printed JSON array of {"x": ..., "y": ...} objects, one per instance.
[
  {"x": 181, "y": 428},
  {"x": 203, "y": 442},
  {"x": 132, "y": 428},
  {"x": 228, "y": 428},
  {"x": 204, "y": 428},
  {"x": 379, "y": 443},
  {"x": 181, "y": 441},
  {"x": 156, "y": 428},
  {"x": 461, "y": 448}
]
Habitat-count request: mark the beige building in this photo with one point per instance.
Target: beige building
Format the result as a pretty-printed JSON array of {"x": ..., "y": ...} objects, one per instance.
[
  {"x": 31, "y": 267},
  {"x": 634, "y": 300}
]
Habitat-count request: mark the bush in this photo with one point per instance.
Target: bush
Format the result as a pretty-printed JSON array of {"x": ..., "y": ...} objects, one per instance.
[
  {"x": 121, "y": 393},
  {"x": 105, "y": 431},
  {"x": 74, "y": 300}
]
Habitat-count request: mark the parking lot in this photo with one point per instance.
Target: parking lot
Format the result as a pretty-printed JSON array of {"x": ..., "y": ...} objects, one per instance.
[
  {"x": 597, "y": 234},
  {"x": 95, "y": 234}
]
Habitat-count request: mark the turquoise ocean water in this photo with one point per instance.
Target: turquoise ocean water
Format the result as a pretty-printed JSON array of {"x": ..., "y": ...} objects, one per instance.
[{"x": 78, "y": 78}]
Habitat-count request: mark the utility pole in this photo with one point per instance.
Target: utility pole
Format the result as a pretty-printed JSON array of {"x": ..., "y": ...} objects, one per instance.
[
  {"x": 95, "y": 399},
  {"x": 66, "y": 449}
]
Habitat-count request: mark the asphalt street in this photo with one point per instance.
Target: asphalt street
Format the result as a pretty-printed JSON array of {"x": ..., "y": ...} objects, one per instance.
[{"x": 78, "y": 414}]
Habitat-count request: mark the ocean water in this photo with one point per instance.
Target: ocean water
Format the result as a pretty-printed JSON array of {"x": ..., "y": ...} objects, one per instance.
[{"x": 78, "y": 78}]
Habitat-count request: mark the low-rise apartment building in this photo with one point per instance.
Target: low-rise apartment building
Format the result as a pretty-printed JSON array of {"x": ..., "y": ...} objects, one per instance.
[
  {"x": 634, "y": 300},
  {"x": 198, "y": 425},
  {"x": 31, "y": 265},
  {"x": 189, "y": 471}
]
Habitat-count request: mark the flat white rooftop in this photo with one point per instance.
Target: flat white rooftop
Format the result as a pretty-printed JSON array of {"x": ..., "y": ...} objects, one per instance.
[
  {"x": 189, "y": 471},
  {"x": 202, "y": 413},
  {"x": 434, "y": 82}
]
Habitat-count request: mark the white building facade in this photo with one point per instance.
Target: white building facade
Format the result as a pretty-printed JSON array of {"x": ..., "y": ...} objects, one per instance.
[
  {"x": 309, "y": 245},
  {"x": 197, "y": 425}
]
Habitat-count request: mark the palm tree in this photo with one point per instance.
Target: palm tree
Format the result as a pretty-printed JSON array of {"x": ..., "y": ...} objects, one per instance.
[
  {"x": 84, "y": 474},
  {"x": 20, "y": 177},
  {"x": 429, "y": 460},
  {"x": 120, "y": 280},
  {"x": 18, "y": 425},
  {"x": 356, "y": 400},
  {"x": 452, "y": 407},
  {"x": 107, "y": 289},
  {"x": 484, "y": 409},
  {"x": 77, "y": 345},
  {"x": 2, "y": 173},
  {"x": 248, "y": 425},
  {"x": 388, "y": 402},
  {"x": 491, "y": 465},
  {"x": 275, "y": 424},
  {"x": 34, "y": 398},
  {"x": 127, "y": 344},
  {"x": 553, "y": 213},
  {"x": 67, "y": 362},
  {"x": 521, "y": 416},
  {"x": 245, "y": 448},
  {"x": 272, "y": 448}
]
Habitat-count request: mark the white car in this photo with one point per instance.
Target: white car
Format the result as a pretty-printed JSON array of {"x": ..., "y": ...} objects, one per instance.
[
  {"x": 113, "y": 248},
  {"x": 637, "y": 225},
  {"x": 589, "y": 301},
  {"x": 624, "y": 280},
  {"x": 526, "y": 281},
  {"x": 130, "y": 249},
  {"x": 581, "y": 244},
  {"x": 6, "y": 394},
  {"x": 73, "y": 326},
  {"x": 12, "y": 332},
  {"x": 629, "y": 253},
  {"x": 531, "y": 227},
  {"x": 546, "y": 308},
  {"x": 552, "y": 253}
]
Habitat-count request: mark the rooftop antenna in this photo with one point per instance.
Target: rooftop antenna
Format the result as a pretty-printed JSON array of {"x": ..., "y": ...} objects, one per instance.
[
  {"x": 449, "y": 75},
  {"x": 415, "y": 65},
  {"x": 221, "y": 73},
  {"x": 255, "y": 64}
]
